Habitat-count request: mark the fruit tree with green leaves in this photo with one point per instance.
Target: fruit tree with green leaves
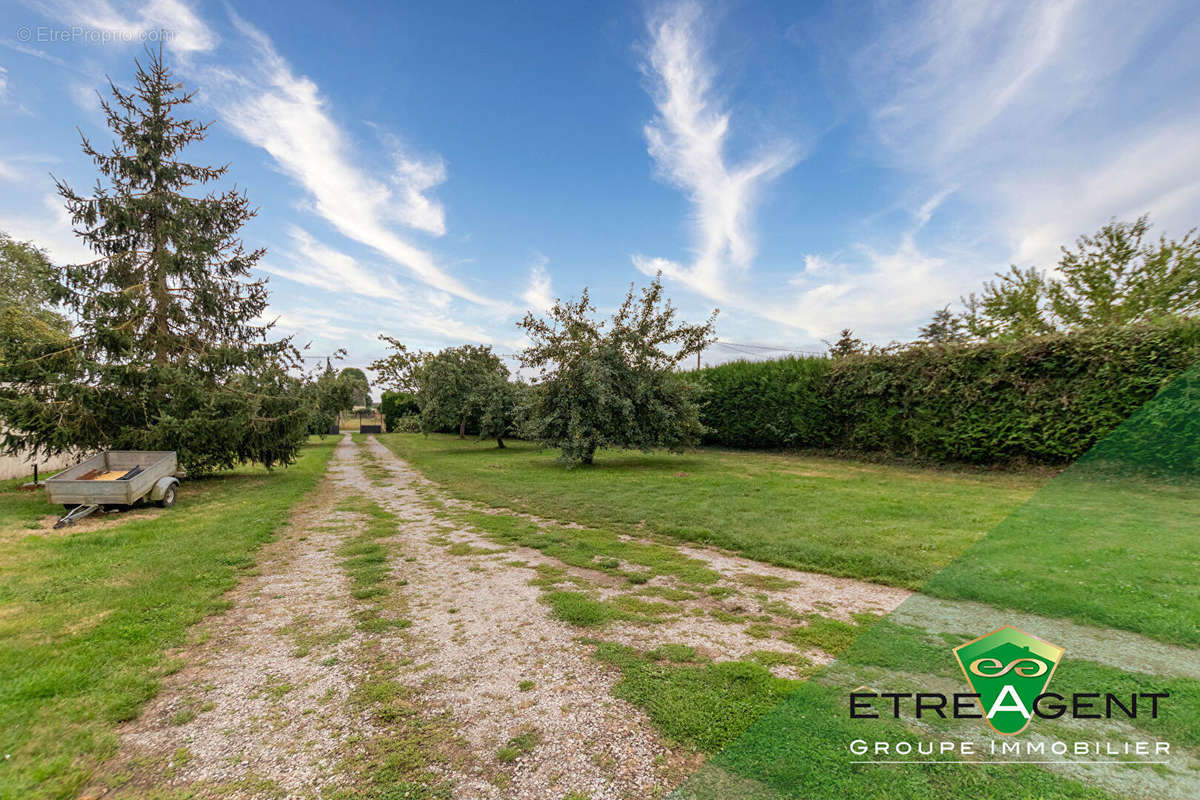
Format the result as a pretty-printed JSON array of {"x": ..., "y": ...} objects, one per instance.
[
  {"x": 1118, "y": 276},
  {"x": 614, "y": 383},
  {"x": 454, "y": 385}
]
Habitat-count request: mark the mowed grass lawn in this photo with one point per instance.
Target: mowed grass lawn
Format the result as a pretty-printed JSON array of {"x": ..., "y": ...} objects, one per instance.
[
  {"x": 884, "y": 523},
  {"x": 87, "y": 616}
]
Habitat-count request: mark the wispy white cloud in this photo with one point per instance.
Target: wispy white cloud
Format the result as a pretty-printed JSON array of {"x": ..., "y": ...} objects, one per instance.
[
  {"x": 3, "y": 82},
  {"x": 1030, "y": 112},
  {"x": 412, "y": 178},
  {"x": 286, "y": 115},
  {"x": 687, "y": 140},
  {"x": 86, "y": 99},
  {"x": 1021, "y": 113},
  {"x": 262, "y": 98},
  {"x": 307, "y": 323},
  {"x": 945, "y": 76},
  {"x": 48, "y": 227},
  {"x": 1156, "y": 170},
  {"x": 32, "y": 51},
  {"x": 315, "y": 264},
  {"x": 539, "y": 295},
  {"x": 375, "y": 294},
  {"x": 879, "y": 291},
  {"x": 878, "y": 294}
]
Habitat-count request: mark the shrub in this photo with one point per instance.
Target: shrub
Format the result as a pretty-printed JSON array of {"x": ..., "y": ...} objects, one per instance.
[
  {"x": 409, "y": 423},
  {"x": 394, "y": 405}
]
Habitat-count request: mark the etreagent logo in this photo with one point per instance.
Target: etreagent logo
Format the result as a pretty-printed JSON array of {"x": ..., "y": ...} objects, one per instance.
[{"x": 1009, "y": 670}]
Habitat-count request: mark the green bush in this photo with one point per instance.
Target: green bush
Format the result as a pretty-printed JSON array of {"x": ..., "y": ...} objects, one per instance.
[
  {"x": 394, "y": 405},
  {"x": 409, "y": 423},
  {"x": 1046, "y": 399}
]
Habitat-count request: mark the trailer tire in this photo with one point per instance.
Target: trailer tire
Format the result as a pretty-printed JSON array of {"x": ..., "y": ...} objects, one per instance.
[{"x": 169, "y": 496}]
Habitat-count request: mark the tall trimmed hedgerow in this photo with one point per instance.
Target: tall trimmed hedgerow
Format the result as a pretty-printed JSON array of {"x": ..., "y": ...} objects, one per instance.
[
  {"x": 1044, "y": 399},
  {"x": 766, "y": 404}
]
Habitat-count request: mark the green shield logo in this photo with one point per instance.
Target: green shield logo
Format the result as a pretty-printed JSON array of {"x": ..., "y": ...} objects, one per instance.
[{"x": 1008, "y": 669}]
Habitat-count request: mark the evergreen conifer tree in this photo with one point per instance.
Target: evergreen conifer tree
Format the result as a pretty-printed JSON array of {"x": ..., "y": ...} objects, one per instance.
[{"x": 167, "y": 348}]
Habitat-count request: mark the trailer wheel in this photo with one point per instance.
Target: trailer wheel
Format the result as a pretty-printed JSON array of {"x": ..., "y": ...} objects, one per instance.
[{"x": 168, "y": 498}]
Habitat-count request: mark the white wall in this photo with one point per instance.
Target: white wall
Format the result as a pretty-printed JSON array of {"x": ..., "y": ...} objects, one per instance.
[{"x": 20, "y": 466}]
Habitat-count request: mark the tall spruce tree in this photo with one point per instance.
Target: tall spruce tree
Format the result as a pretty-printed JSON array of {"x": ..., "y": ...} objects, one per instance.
[{"x": 167, "y": 351}]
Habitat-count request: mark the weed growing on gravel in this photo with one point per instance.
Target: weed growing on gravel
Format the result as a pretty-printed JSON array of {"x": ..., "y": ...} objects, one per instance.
[
  {"x": 274, "y": 688},
  {"x": 550, "y": 576},
  {"x": 365, "y": 561},
  {"x": 769, "y": 583},
  {"x": 183, "y": 716},
  {"x": 306, "y": 638},
  {"x": 520, "y": 745},
  {"x": 401, "y": 760},
  {"x": 760, "y": 630},
  {"x": 377, "y": 474},
  {"x": 650, "y": 609},
  {"x": 675, "y": 653},
  {"x": 774, "y": 658},
  {"x": 468, "y": 549},
  {"x": 781, "y": 609},
  {"x": 579, "y": 609},
  {"x": 666, "y": 593}
]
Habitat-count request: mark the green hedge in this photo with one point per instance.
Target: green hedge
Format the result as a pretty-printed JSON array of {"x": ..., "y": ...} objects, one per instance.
[
  {"x": 1045, "y": 400},
  {"x": 766, "y": 404}
]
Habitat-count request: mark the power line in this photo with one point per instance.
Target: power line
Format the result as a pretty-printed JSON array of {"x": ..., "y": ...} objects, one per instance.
[{"x": 760, "y": 349}]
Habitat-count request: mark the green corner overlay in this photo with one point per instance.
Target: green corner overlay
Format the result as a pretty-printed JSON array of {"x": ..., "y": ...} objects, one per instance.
[{"x": 1076, "y": 621}]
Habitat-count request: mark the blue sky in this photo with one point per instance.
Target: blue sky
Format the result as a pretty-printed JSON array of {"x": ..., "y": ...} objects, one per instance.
[{"x": 432, "y": 170}]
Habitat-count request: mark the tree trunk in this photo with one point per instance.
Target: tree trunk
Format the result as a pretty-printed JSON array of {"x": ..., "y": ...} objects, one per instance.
[
  {"x": 462, "y": 428},
  {"x": 589, "y": 455},
  {"x": 499, "y": 442},
  {"x": 156, "y": 279}
]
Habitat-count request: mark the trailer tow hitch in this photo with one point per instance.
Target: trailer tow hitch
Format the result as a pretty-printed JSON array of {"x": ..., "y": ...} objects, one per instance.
[{"x": 75, "y": 514}]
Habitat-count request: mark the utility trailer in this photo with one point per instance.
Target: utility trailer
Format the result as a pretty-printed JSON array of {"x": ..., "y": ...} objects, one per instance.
[{"x": 115, "y": 479}]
